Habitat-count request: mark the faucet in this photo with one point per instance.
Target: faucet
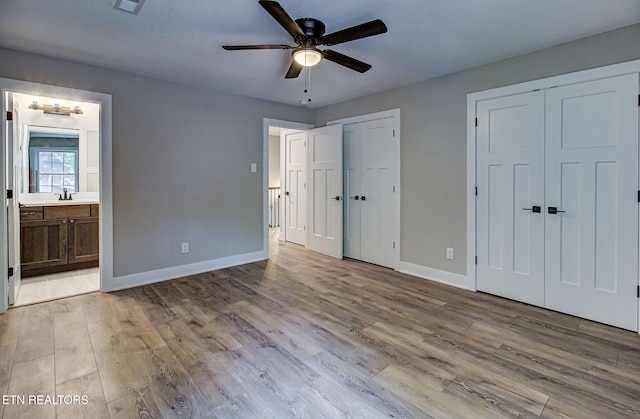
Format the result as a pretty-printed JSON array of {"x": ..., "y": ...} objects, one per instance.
[{"x": 67, "y": 197}]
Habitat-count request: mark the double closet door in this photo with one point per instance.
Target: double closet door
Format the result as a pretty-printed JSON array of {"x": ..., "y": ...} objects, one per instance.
[
  {"x": 370, "y": 191},
  {"x": 557, "y": 201}
]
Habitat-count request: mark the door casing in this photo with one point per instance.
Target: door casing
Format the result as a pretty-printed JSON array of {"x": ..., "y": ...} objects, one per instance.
[{"x": 106, "y": 192}]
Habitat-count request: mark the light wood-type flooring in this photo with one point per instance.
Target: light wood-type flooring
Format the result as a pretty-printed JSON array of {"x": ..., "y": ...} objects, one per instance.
[{"x": 307, "y": 336}]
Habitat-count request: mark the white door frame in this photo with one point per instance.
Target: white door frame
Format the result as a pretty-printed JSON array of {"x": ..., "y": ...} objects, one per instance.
[
  {"x": 266, "y": 123},
  {"x": 395, "y": 114},
  {"x": 106, "y": 192},
  {"x": 630, "y": 67}
]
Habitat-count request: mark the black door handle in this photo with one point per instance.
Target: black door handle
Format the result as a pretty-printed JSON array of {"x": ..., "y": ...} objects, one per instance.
[
  {"x": 337, "y": 198},
  {"x": 357, "y": 197},
  {"x": 287, "y": 193},
  {"x": 363, "y": 198},
  {"x": 534, "y": 208},
  {"x": 553, "y": 210}
]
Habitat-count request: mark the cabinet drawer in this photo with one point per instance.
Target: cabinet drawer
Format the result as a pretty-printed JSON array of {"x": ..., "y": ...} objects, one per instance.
[
  {"x": 30, "y": 213},
  {"x": 95, "y": 210},
  {"x": 67, "y": 211}
]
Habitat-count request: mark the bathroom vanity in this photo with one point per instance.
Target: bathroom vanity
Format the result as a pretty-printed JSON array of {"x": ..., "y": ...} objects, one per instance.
[{"x": 58, "y": 236}]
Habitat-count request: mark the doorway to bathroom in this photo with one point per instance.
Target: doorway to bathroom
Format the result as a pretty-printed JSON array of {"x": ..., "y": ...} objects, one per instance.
[{"x": 58, "y": 214}]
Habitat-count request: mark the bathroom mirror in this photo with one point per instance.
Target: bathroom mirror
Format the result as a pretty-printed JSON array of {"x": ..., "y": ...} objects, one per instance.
[{"x": 54, "y": 159}]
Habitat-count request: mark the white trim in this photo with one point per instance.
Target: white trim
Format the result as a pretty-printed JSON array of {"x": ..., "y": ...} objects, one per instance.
[
  {"x": 631, "y": 67},
  {"x": 106, "y": 192},
  {"x": 395, "y": 114},
  {"x": 266, "y": 123},
  {"x": 174, "y": 272},
  {"x": 435, "y": 275}
]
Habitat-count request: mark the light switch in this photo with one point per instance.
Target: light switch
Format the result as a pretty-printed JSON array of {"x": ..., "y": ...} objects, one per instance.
[{"x": 254, "y": 167}]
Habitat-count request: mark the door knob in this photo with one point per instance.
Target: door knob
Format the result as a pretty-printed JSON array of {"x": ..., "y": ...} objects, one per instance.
[
  {"x": 534, "y": 208},
  {"x": 287, "y": 193},
  {"x": 553, "y": 210},
  {"x": 363, "y": 198},
  {"x": 337, "y": 198},
  {"x": 357, "y": 197}
]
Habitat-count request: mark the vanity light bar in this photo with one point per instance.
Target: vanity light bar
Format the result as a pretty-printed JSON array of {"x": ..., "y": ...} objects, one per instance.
[{"x": 56, "y": 109}]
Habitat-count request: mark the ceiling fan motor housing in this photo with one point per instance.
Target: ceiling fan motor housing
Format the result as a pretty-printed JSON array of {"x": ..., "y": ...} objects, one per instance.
[{"x": 312, "y": 28}]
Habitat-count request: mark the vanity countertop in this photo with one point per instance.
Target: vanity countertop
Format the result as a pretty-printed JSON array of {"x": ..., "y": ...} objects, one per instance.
[{"x": 57, "y": 203}]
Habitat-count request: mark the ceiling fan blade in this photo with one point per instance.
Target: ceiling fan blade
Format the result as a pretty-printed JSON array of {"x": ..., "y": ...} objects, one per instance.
[
  {"x": 265, "y": 46},
  {"x": 375, "y": 27},
  {"x": 348, "y": 62},
  {"x": 294, "y": 70},
  {"x": 279, "y": 14}
]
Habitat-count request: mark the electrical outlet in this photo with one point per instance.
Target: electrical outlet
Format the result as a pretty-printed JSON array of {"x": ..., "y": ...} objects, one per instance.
[
  {"x": 450, "y": 253},
  {"x": 185, "y": 247}
]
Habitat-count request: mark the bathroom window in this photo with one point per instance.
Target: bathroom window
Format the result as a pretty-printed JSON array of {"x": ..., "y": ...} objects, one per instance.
[
  {"x": 57, "y": 170},
  {"x": 53, "y": 162}
]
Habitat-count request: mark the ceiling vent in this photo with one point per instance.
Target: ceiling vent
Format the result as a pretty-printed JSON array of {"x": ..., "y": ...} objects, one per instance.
[{"x": 130, "y": 6}]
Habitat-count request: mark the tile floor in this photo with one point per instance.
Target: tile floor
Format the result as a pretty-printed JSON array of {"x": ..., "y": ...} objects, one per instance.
[{"x": 51, "y": 287}]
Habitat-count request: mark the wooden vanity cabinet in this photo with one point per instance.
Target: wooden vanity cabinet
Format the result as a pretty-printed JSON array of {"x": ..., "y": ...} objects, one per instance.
[{"x": 58, "y": 238}]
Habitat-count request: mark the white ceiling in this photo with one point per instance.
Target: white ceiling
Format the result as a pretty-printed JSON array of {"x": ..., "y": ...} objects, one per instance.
[{"x": 181, "y": 40}]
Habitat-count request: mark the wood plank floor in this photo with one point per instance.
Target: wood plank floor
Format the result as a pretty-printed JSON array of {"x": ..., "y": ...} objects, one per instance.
[{"x": 306, "y": 336}]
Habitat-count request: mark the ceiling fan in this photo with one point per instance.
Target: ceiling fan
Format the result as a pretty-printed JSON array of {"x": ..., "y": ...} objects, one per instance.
[{"x": 308, "y": 33}]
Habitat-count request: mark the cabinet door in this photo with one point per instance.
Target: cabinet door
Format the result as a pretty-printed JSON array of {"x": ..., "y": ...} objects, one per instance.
[
  {"x": 43, "y": 243},
  {"x": 84, "y": 239}
]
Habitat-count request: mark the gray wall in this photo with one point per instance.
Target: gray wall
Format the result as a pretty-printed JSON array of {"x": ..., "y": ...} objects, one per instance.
[
  {"x": 433, "y": 137},
  {"x": 181, "y": 155},
  {"x": 181, "y": 162}
]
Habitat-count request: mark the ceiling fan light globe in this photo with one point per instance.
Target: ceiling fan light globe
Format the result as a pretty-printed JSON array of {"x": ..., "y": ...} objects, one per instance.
[{"x": 307, "y": 57}]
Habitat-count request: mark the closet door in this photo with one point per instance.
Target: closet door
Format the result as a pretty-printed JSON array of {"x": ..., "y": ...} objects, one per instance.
[
  {"x": 370, "y": 172},
  {"x": 510, "y": 179},
  {"x": 352, "y": 189},
  {"x": 591, "y": 197},
  {"x": 377, "y": 198}
]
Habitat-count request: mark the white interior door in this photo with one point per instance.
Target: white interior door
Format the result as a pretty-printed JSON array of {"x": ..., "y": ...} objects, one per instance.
[
  {"x": 352, "y": 189},
  {"x": 378, "y": 173},
  {"x": 295, "y": 183},
  {"x": 510, "y": 173},
  {"x": 592, "y": 181},
  {"x": 13, "y": 217},
  {"x": 325, "y": 191}
]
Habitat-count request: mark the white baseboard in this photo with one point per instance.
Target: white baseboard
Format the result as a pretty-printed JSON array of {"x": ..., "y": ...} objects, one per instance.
[
  {"x": 159, "y": 275},
  {"x": 436, "y": 275}
]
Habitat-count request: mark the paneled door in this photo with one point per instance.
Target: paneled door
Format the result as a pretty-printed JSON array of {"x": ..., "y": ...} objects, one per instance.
[
  {"x": 295, "y": 193},
  {"x": 370, "y": 172},
  {"x": 325, "y": 191},
  {"x": 510, "y": 201},
  {"x": 591, "y": 197}
]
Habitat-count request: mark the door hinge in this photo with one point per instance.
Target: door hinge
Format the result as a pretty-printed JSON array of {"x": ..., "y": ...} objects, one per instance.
[
  {"x": 638, "y": 291},
  {"x": 9, "y": 116},
  {"x": 394, "y": 133},
  {"x": 394, "y": 188},
  {"x": 10, "y": 272},
  {"x": 394, "y": 244},
  {"x": 476, "y": 260},
  {"x": 638, "y": 196},
  {"x": 9, "y": 193},
  {"x": 638, "y": 100},
  {"x": 476, "y": 122},
  {"x": 476, "y": 191}
]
